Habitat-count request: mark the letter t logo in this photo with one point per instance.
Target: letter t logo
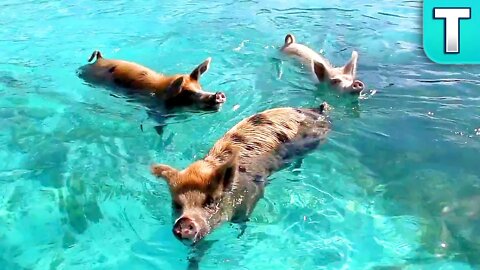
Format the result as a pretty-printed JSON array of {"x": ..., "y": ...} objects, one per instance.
[{"x": 452, "y": 17}]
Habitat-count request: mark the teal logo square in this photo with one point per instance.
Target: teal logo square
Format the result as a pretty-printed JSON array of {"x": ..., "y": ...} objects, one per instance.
[{"x": 451, "y": 30}]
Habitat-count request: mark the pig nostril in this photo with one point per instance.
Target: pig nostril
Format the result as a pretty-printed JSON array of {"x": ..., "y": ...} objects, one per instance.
[
  {"x": 358, "y": 85},
  {"x": 177, "y": 232},
  {"x": 190, "y": 227},
  {"x": 220, "y": 97}
]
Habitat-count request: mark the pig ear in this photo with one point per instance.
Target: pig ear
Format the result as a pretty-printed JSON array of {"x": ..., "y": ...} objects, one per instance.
[
  {"x": 174, "y": 88},
  {"x": 164, "y": 171},
  {"x": 225, "y": 173},
  {"x": 320, "y": 71},
  {"x": 289, "y": 39},
  {"x": 351, "y": 66},
  {"x": 202, "y": 68}
]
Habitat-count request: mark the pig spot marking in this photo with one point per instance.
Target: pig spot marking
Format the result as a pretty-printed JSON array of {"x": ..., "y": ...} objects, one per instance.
[
  {"x": 249, "y": 147},
  {"x": 315, "y": 111},
  {"x": 237, "y": 138},
  {"x": 259, "y": 120},
  {"x": 299, "y": 111},
  {"x": 285, "y": 125},
  {"x": 281, "y": 136},
  {"x": 257, "y": 144},
  {"x": 112, "y": 69}
]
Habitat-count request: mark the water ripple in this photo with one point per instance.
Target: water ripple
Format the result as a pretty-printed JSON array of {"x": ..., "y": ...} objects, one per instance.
[{"x": 398, "y": 176}]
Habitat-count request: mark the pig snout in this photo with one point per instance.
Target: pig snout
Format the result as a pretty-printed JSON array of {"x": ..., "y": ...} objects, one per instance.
[
  {"x": 357, "y": 86},
  {"x": 220, "y": 98},
  {"x": 213, "y": 101},
  {"x": 185, "y": 229}
]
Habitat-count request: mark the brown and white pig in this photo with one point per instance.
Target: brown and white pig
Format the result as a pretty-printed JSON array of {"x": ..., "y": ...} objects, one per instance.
[
  {"x": 175, "y": 90},
  {"x": 227, "y": 183},
  {"x": 340, "y": 78}
]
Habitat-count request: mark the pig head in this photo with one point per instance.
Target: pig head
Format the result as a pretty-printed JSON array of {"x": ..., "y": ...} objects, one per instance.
[
  {"x": 343, "y": 78},
  {"x": 202, "y": 195}
]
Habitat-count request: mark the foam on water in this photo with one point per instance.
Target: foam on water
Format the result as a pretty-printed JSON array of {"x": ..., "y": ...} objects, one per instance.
[{"x": 396, "y": 185}]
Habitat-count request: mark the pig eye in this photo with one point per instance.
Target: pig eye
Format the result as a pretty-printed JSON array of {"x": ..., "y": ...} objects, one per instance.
[
  {"x": 335, "y": 81},
  {"x": 190, "y": 94},
  {"x": 177, "y": 206}
]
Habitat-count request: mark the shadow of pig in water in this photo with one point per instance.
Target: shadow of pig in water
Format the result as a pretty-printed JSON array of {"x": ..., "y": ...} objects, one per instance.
[
  {"x": 9, "y": 81},
  {"x": 197, "y": 252}
]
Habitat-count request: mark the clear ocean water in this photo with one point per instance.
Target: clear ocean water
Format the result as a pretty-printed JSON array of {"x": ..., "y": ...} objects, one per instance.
[{"x": 397, "y": 185}]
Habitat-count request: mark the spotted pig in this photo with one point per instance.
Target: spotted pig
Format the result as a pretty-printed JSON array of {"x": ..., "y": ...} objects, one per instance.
[{"x": 227, "y": 183}]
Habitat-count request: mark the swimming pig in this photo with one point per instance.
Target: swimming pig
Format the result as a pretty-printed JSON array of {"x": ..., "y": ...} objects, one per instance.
[
  {"x": 341, "y": 78},
  {"x": 176, "y": 90},
  {"x": 227, "y": 183}
]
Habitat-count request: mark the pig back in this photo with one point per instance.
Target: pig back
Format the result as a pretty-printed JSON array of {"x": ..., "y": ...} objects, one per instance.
[
  {"x": 120, "y": 73},
  {"x": 304, "y": 54},
  {"x": 265, "y": 141}
]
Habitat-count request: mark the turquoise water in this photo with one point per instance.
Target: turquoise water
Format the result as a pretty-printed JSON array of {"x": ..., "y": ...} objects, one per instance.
[{"x": 397, "y": 184}]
